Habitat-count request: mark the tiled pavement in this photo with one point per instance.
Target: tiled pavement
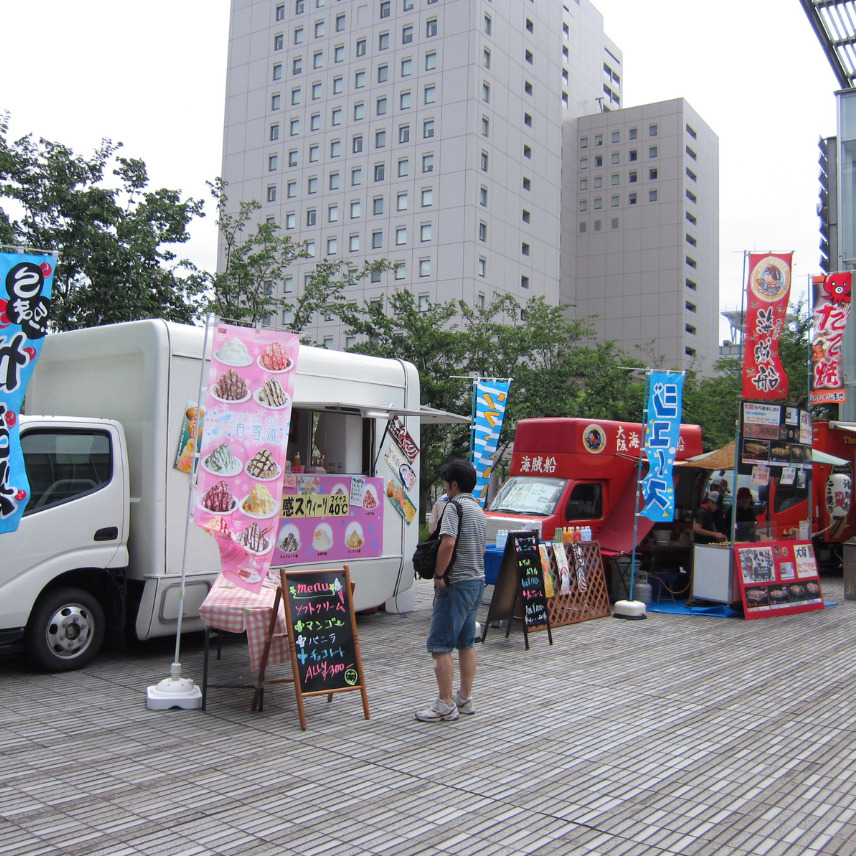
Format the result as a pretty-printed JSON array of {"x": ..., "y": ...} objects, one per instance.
[{"x": 673, "y": 735}]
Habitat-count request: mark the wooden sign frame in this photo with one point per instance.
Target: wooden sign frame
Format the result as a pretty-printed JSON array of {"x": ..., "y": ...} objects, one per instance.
[
  {"x": 509, "y": 595},
  {"x": 321, "y": 597}
]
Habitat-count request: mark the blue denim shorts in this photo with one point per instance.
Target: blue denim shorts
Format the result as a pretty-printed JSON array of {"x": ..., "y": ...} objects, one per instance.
[{"x": 453, "y": 622}]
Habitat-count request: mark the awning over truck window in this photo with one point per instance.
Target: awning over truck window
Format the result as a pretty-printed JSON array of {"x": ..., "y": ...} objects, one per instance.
[
  {"x": 616, "y": 534},
  {"x": 425, "y": 413}
]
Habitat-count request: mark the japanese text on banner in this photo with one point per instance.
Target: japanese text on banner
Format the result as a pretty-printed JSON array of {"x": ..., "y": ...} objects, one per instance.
[
  {"x": 831, "y": 306},
  {"x": 25, "y": 291},
  {"x": 244, "y": 444},
  {"x": 662, "y": 436},
  {"x": 767, "y": 293},
  {"x": 490, "y": 401}
]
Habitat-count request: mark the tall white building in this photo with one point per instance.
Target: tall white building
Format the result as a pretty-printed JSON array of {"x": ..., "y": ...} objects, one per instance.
[
  {"x": 642, "y": 224},
  {"x": 428, "y": 132}
]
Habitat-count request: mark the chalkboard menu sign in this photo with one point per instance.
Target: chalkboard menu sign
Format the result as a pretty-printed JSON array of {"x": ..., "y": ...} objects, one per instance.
[
  {"x": 322, "y": 634},
  {"x": 519, "y": 591}
]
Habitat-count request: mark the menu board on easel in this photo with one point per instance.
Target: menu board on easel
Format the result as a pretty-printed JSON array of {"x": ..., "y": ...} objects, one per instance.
[
  {"x": 519, "y": 591},
  {"x": 777, "y": 578},
  {"x": 322, "y": 633}
]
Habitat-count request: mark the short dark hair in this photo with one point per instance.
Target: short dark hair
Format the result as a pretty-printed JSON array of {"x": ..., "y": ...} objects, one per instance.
[{"x": 460, "y": 471}]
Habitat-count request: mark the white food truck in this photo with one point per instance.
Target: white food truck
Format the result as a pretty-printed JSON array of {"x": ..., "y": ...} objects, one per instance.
[{"x": 101, "y": 544}]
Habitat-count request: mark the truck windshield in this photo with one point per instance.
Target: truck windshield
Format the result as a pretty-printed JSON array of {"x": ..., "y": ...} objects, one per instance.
[{"x": 528, "y": 495}]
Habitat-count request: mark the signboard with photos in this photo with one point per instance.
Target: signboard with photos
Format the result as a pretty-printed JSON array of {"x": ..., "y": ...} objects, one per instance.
[{"x": 774, "y": 435}]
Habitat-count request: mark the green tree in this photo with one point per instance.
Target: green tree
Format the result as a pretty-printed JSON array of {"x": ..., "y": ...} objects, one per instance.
[
  {"x": 255, "y": 259},
  {"x": 113, "y": 234}
]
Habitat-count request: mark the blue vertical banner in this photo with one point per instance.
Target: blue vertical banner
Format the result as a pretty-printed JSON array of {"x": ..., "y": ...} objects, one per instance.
[
  {"x": 662, "y": 435},
  {"x": 490, "y": 399},
  {"x": 25, "y": 291}
]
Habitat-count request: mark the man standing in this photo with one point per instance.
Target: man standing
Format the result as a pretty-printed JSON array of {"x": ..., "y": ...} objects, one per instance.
[
  {"x": 704, "y": 530},
  {"x": 458, "y": 589}
]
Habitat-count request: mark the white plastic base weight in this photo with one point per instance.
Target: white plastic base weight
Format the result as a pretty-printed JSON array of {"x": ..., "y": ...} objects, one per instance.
[
  {"x": 632, "y": 609},
  {"x": 174, "y": 691}
]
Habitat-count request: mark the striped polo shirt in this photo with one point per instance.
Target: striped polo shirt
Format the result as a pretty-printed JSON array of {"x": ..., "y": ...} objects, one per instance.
[{"x": 469, "y": 558}]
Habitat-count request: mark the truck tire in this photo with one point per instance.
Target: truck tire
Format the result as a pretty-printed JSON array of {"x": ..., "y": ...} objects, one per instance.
[{"x": 65, "y": 630}]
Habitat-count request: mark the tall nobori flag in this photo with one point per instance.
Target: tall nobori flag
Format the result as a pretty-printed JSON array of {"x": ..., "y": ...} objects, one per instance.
[
  {"x": 831, "y": 306},
  {"x": 767, "y": 293},
  {"x": 491, "y": 397},
  {"x": 26, "y": 282},
  {"x": 662, "y": 435}
]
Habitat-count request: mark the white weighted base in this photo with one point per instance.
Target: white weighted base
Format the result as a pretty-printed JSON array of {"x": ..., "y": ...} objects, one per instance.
[
  {"x": 174, "y": 691},
  {"x": 632, "y": 609}
]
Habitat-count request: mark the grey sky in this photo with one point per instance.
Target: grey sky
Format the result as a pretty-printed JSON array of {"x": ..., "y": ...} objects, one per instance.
[{"x": 153, "y": 76}]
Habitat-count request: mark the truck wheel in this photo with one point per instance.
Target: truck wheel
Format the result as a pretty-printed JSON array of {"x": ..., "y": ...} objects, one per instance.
[{"x": 65, "y": 630}]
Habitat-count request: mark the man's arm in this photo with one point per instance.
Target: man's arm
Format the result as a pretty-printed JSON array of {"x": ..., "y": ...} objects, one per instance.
[{"x": 444, "y": 558}]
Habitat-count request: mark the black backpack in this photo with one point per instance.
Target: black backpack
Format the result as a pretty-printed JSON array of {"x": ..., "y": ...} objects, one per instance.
[{"x": 425, "y": 555}]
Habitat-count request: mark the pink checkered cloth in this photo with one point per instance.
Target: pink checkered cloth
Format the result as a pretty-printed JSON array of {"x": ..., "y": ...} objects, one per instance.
[{"x": 236, "y": 610}]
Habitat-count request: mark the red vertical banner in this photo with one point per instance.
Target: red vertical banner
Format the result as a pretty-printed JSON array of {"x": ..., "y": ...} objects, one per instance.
[
  {"x": 767, "y": 292},
  {"x": 831, "y": 305}
]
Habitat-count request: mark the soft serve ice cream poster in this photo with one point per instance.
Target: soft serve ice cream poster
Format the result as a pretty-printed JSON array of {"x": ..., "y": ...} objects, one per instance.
[{"x": 244, "y": 445}]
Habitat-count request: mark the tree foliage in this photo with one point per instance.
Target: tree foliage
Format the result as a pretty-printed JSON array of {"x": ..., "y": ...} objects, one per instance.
[{"x": 113, "y": 234}]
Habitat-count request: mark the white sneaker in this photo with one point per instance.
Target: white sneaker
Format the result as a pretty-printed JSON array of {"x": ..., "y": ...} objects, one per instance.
[
  {"x": 464, "y": 705},
  {"x": 438, "y": 712}
]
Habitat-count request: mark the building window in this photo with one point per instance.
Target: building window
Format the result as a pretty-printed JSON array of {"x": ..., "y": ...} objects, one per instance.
[
  {"x": 691, "y": 240},
  {"x": 613, "y": 223},
  {"x": 273, "y": 162},
  {"x": 340, "y": 23},
  {"x": 384, "y": 8},
  {"x": 691, "y": 218},
  {"x": 294, "y": 127},
  {"x": 691, "y": 175},
  {"x": 400, "y": 271},
  {"x": 425, "y": 232},
  {"x": 377, "y": 240},
  {"x": 616, "y": 158},
  {"x": 485, "y": 93},
  {"x": 315, "y": 122},
  {"x": 314, "y": 154},
  {"x": 529, "y": 57},
  {"x": 691, "y": 262},
  {"x": 297, "y": 65},
  {"x": 379, "y": 172},
  {"x": 339, "y": 53},
  {"x": 406, "y": 35},
  {"x": 530, "y": 27},
  {"x": 632, "y": 155},
  {"x": 406, "y": 67},
  {"x": 614, "y": 179},
  {"x": 583, "y": 184},
  {"x": 404, "y": 100},
  {"x": 616, "y": 136},
  {"x": 652, "y": 151},
  {"x": 652, "y": 130},
  {"x": 430, "y": 61},
  {"x": 291, "y": 189},
  {"x": 404, "y": 133},
  {"x": 691, "y": 307},
  {"x": 359, "y": 111},
  {"x": 274, "y": 132},
  {"x": 613, "y": 202},
  {"x": 483, "y": 196},
  {"x": 356, "y": 176},
  {"x": 431, "y": 27},
  {"x": 382, "y": 73},
  {"x": 598, "y": 181},
  {"x": 316, "y": 91},
  {"x": 598, "y": 203},
  {"x": 338, "y": 85},
  {"x": 430, "y": 94},
  {"x": 298, "y": 36},
  {"x": 277, "y": 71},
  {"x": 691, "y": 132},
  {"x": 354, "y": 243},
  {"x": 427, "y": 163},
  {"x": 295, "y": 96},
  {"x": 310, "y": 217},
  {"x": 691, "y": 196},
  {"x": 376, "y": 276},
  {"x": 631, "y": 199},
  {"x": 332, "y": 213},
  {"x": 652, "y": 195},
  {"x": 484, "y": 161},
  {"x": 632, "y": 133},
  {"x": 401, "y": 236},
  {"x": 359, "y": 80},
  {"x": 292, "y": 157},
  {"x": 526, "y": 216},
  {"x": 401, "y": 201},
  {"x": 275, "y": 101},
  {"x": 598, "y": 161},
  {"x": 527, "y": 152},
  {"x": 290, "y": 220},
  {"x": 380, "y": 107},
  {"x": 355, "y": 209},
  {"x": 271, "y": 193},
  {"x": 527, "y": 120},
  {"x": 361, "y": 47},
  {"x": 278, "y": 42},
  {"x": 317, "y": 59},
  {"x": 312, "y": 184},
  {"x": 487, "y": 25},
  {"x": 280, "y": 12},
  {"x": 424, "y": 267},
  {"x": 524, "y": 248},
  {"x": 482, "y": 268},
  {"x": 383, "y": 41},
  {"x": 482, "y": 231},
  {"x": 334, "y": 181},
  {"x": 527, "y": 87},
  {"x": 380, "y": 139},
  {"x": 427, "y": 197},
  {"x": 377, "y": 205},
  {"x": 527, "y": 184},
  {"x": 691, "y": 153},
  {"x": 428, "y": 128},
  {"x": 357, "y": 144},
  {"x": 403, "y": 167},
  {"x": 485, "y": 126},
  {"x": 319, "y": 29},
  {"x": 335, "y": 148},
  {"x": 524, "y": 282},
  {"x": 633, "y": 177}
]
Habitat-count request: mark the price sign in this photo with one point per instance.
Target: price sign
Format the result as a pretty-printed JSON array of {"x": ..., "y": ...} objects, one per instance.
[{"x": 315, "y": 505}]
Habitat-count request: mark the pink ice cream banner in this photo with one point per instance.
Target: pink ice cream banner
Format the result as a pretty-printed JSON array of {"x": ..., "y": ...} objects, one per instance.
[
  {"x": 244, "y": 444},
  {"x": 329, "y": 517}
]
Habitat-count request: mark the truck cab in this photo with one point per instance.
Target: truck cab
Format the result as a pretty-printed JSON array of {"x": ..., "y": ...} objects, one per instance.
[{"x": 579, "y": 472}]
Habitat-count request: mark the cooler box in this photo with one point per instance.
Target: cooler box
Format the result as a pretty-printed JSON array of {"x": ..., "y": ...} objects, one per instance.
[{"x": 850, "y": 569}]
